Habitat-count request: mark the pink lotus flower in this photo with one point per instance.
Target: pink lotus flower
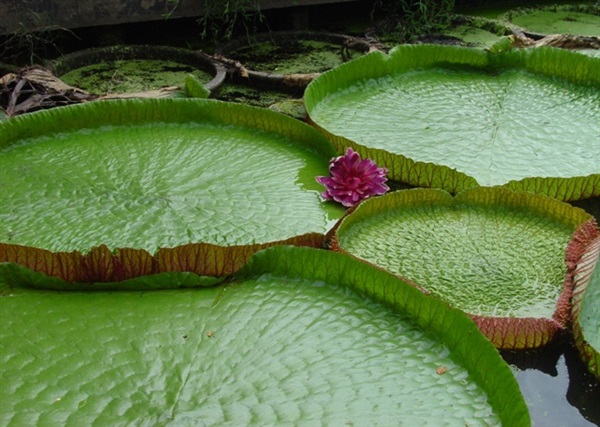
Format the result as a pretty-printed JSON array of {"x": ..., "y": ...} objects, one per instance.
[{"x": 353, "y": 179}]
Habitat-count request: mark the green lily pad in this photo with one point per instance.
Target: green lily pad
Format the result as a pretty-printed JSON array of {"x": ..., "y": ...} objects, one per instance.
[
  {"x": 194, "y": 88},
  {"x": 476, "y": 31},
  {"x": 581, "y": 20},
  {"x": 291, "y": 340},
  {"x": 146, "y": 174},
  {"x": 496, "y": 254},
  {"x": 452, "y": 118},
  {"x": 585, "y": 314}
]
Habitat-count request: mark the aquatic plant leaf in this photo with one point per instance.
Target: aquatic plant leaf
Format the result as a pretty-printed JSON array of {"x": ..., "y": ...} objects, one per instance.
[
  {"x": 558, "y": 188},
  {"x": 477, "y": 31},
  {"x": 581, "y": 19},
  {"x": 149, "y": 174},
  {"x": 16, "y": 275},
  {"x": 453, "y": 118},
  {"x": 496, "y": 254},
  {"x": 195, "y": 88},
  {"x": 101, "y": 265},
  {"x": 584, "y": 253},
  {"x": 278, "y": 344}
]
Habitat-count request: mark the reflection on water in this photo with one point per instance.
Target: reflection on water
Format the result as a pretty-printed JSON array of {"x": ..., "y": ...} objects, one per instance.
[{"x": 557, "y": 386}]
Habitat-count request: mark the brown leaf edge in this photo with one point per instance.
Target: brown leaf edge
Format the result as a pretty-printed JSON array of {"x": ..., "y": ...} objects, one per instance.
[
  {"x": 509, "y": 333},
  {"x": 101, "y": 265},
  {"x": 583, "y": 256},
  {"x": 526, "y": 333},
  {"x": 505, "y": 333}
]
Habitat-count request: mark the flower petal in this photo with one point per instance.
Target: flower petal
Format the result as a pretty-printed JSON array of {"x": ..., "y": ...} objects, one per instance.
[{"x": 353, "y": 179}]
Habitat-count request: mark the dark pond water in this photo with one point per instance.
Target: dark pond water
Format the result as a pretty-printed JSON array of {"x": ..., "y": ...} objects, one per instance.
[
  {"x": 558, "y": 389},
  {"x": 557, "y": 386}
]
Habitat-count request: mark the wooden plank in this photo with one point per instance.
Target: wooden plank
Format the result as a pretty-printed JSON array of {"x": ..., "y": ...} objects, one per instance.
[{"x": 18, "y": 16}]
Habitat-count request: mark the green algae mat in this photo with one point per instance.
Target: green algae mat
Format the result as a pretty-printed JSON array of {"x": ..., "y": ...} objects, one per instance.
[
  {"x": 147, "y": 174},
  {"x": 134, "y": 75},
  {"x": 299, "y": 336},
  {"x": 290, "y": 52},
  {"x": 452, "y": 118}
]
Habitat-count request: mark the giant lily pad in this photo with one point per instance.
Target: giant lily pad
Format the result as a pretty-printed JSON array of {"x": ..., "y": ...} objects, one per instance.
[
  {"x": 585, "y": 317},
  {"x": 580, "y": 19},
  {"x": 452, "y": 118},
  {"x": 159, "y": 173},
  {"x": 496, "y": 254},
  {"x": 291, "y": 340}
]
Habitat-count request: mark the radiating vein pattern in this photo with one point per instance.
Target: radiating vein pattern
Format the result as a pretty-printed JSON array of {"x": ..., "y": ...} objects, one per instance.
[
  {"x": 503, "y": 262},
  {"x": 160, "y": 184},
  {"x": 495, "y": 127}
]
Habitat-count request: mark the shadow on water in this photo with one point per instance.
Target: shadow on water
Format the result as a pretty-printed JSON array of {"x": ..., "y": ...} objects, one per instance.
[{"x": 558, "y": 388}]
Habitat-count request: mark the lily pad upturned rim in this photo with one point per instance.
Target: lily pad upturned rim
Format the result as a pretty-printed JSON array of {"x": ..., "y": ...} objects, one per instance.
[
  {"x": 102, "y": 268},
  {"x": 583, "y": 256},
  {"x": 503, "y": 332},
  {"x": 103, "y": 264},
  {"x": 167, "y": 110},
  {"x": 382, "y": 286},
  {"x": 546, "y": 61},
  {"x": 466, "y": 346},
  {"x": 97, "y": 55}
]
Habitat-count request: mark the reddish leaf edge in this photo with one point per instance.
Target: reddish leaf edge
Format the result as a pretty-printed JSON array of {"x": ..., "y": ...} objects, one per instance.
[
  {"x": 510, "y": 333},
  {"x": 505, "y": 333},
  {"x": 103, "y": 265},
  {"x": 583, "y": 257}
]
